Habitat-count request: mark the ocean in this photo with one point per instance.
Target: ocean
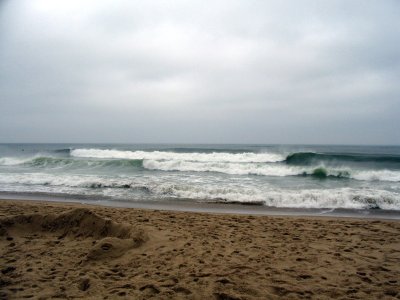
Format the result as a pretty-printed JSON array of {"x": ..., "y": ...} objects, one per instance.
[{"x": 276, "y": 176}]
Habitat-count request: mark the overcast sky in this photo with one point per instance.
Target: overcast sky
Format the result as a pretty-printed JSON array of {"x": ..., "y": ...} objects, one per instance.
[{"x": 200, "y": 71}]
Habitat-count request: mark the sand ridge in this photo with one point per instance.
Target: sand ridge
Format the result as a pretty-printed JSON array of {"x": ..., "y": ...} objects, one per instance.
[
  {"x": 56, "y": 250},
  {"x": 79, "y": 222}
]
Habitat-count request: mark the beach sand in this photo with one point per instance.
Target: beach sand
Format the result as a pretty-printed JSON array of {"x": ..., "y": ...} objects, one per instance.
[{"x": 61, "y": 250}]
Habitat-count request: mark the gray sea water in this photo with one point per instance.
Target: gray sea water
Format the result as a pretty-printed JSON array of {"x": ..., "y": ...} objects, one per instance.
[{"x": 282, "y": 176}]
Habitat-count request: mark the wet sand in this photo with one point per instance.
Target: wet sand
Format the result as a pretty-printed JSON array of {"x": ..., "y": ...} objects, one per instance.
[{"x": 63, "y": 250}]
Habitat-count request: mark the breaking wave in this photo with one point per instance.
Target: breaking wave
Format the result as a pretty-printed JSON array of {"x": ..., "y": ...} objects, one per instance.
[
  {"x": 245, "y": 157},
  {"x": 12, "y": 161},
  {"x": 270, "y": 176},
  {"x": 60, "y": 162},
  {"x": 137, "y": 189},
  {"x": 264, "y": 164},
  {"x": 279, "y": 170}
]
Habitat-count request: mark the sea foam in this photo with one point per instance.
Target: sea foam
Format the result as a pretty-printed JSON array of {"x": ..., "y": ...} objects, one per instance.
[
  {"x": 139, "y": 188},
  {"x": 194, "y": 156}
]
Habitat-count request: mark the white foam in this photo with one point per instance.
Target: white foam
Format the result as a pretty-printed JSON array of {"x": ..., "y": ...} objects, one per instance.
[
  {"x": 227, "y": 168},
  {"x": 334, "y": 198},
  {"x": 307, "y": 198},
  {"x": 377, "y": 175},
  {"x": 12, "y": 161},
  {"x": 58, "y": 180},
  {"x": 269, "y": 169},
  {"x": 212, "y": 188},
  {"x": 194, "y": 157}
]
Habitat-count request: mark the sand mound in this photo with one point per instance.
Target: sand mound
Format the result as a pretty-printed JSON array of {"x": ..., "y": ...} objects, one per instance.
[{"x": 77, "y": 223}]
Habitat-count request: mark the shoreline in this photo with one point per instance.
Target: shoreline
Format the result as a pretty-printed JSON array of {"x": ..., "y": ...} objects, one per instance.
[
  {"x": 188, "y": 205},
  {"x": 70, "y": 250}
]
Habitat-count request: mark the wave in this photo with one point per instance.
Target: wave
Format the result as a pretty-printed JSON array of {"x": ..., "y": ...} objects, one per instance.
[
  {"x": 217, "y": 155},
  {"x": 307, "y": 158},
  {"x": 221, "y": 167},
  {"x": 70, "y": 180},
  {"x": 310, "y": 198},
  {"x": 206, "y": 150},
  {"x": 61, "y": 162},
  {"x": 230, "y": 168},
  {"x": 12, "y": 161},
  {"x": 323, "y": 173},
  {"x": 377, "y": 175},
  {"x": 156, "y": 188},
  {"x": 244, "y": 157},
  {"x": 277, "y": 170}
]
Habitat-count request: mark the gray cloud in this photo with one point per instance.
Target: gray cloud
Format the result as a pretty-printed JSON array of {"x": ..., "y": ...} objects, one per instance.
[{"x": 192, "y": 71}]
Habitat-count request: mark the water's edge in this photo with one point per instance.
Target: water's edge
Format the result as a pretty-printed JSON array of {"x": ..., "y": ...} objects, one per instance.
[{"x": 207, "y": 207}]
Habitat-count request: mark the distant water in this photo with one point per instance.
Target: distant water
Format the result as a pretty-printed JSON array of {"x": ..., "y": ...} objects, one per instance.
[{"x": 359, "y": 177}]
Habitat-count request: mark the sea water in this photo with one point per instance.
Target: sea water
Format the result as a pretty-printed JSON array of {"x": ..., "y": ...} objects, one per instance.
[{"x": 283, "y": 176}]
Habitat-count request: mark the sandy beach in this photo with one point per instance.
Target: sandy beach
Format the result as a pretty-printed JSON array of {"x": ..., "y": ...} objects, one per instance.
[{"x": 62, "y": 250}]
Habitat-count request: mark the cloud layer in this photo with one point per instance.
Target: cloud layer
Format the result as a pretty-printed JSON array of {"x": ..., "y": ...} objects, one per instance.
[{"x": 197, "y": 71}]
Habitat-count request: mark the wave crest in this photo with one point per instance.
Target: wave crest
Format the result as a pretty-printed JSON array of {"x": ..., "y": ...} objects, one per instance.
[
  {"x": 245, "y": 157},
  {"x": 278, "y": 170},
  {"x": 61, "y": 162},
  {"x": 307, "y": 158}
]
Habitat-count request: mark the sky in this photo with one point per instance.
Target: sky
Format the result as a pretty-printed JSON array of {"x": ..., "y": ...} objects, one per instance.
[{"x": 292, "y": 72}]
